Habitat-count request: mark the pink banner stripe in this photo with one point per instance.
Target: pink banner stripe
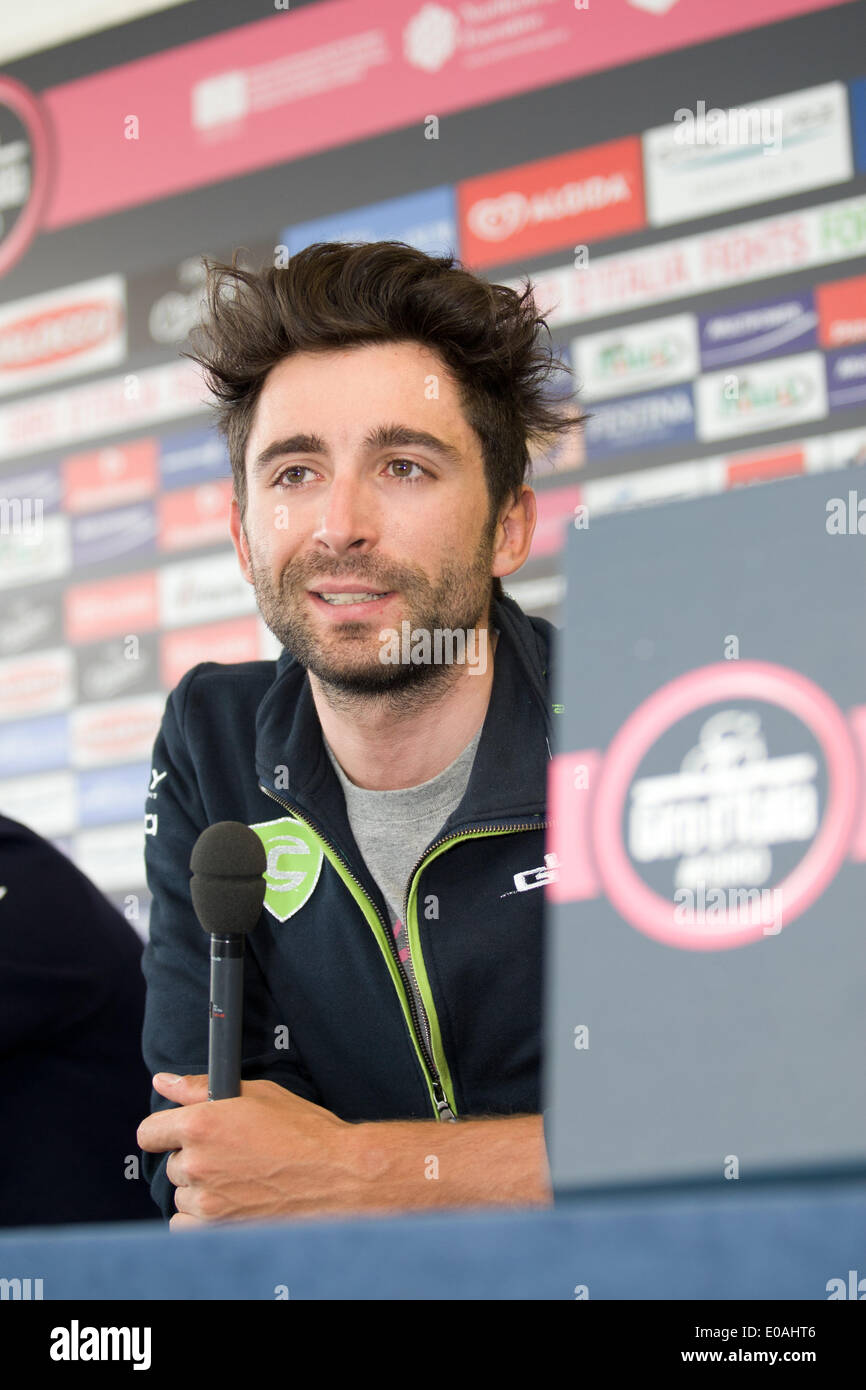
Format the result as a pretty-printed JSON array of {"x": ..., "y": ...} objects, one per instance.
[
  {"x": 569, "y": 836},
  {"x": 857, "y": 720},
  {"x": 305, "y": 81}
]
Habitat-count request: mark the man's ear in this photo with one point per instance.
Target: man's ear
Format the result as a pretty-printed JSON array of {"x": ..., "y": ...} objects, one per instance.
[
  {"x": 514, "y": 534},
  {"x": 239, "y": 540}
]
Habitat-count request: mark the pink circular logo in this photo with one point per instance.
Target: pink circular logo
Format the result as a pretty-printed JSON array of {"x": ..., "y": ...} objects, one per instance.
[
  {"x": 732, "y": 925},
  {"x": 24, "y": 133}
]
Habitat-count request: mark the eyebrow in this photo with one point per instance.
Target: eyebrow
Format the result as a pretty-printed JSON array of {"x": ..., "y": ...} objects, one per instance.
[{"x": 382, "y": 437}]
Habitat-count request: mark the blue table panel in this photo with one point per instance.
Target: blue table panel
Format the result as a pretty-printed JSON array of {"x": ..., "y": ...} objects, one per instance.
[{"x": 767, "y": 1242}]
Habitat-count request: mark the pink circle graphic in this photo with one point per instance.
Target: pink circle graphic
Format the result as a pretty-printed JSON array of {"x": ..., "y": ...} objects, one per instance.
[
  {"x": 759, "y": 680},
  {"x": 30, "y": 113}
]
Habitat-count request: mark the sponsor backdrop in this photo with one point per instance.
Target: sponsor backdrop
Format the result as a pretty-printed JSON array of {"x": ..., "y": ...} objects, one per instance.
[
  {"x": 707, "y": 855},
  {"x": 685, "y": 184}
]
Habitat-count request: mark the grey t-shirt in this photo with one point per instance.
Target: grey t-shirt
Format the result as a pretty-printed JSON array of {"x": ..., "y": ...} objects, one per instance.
[{"x": 394, "y": 828}]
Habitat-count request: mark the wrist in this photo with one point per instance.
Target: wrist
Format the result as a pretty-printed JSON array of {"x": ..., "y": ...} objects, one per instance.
[{"x": 366, "y": 1156}]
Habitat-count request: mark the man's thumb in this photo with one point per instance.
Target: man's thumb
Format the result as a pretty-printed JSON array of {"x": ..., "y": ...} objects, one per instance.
[{"x": 186, "y": 1090}]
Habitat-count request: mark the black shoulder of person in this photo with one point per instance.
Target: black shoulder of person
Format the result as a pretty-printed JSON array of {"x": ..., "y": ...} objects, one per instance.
[{"x": 73, "y": 1084}]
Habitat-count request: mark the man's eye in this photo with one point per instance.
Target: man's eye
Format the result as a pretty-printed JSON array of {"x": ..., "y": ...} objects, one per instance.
[
  {"x": 283, "y": 479},
  {"x": 291, "y": 476},
  {"x": 408, "y": 463}
]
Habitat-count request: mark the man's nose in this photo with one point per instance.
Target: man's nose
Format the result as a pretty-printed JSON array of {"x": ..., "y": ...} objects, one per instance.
[{"x": 347, "y": 520}]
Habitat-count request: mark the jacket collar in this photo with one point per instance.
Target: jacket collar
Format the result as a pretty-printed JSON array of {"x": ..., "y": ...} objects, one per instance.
[{"x": 509, "y": 774}]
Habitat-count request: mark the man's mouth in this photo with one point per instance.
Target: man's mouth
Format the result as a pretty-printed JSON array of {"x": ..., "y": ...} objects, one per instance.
[{"x": 349, "y": 596}]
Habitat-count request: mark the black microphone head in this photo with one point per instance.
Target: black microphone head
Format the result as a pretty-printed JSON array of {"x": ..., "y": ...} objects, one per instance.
[{"x": 228, "y": 862}]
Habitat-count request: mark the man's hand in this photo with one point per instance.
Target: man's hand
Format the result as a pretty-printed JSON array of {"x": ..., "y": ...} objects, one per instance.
[
  {"x": 261, "y": 1155},
  {"x": 267, "y": 1154}
]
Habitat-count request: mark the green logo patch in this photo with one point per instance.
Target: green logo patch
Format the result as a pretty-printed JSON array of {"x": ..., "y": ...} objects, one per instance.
[{"x": 294, "y": 864}]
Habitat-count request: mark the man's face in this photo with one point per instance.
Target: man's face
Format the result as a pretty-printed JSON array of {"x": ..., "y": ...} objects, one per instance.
[{"x": 343, "y": 493}]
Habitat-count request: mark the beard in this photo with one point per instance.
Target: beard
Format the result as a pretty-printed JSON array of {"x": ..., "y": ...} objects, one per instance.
[{"x": 345, "y": 657}]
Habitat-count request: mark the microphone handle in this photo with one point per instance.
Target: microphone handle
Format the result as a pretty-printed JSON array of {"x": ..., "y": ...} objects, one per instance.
[{"x": 226, "y": 1017}]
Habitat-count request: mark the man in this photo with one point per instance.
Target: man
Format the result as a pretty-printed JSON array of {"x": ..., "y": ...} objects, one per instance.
[{"x": 377, "y": 404}]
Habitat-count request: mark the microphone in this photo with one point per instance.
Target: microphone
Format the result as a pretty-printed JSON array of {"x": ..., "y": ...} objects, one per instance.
[{"x": 228, "y": 889}]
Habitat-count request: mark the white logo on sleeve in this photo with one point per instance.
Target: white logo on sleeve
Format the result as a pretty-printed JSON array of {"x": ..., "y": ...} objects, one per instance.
[{"x": 535, "y": 878}]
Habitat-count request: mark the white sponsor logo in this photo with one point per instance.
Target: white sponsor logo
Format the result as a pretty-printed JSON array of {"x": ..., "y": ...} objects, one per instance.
[
  {"x": 28, "y": 556},
  {"x": 763, "y": 396},
  {"x": 79, "y": 328},
  {"x": 851, "y": 368},
  {"x": 653, "y": 6},
  {"x": 844, "y": 331},
  {"x": 173, "y": 316},
  {"x": 15, "y": 178},
  {"x": 197, "y": 591},
  {"x": 38, "y": 683},
  {"x": 536, "y": 878},
  {"x": 496, "y": 219},
  {"x": 119, "y": 731},
  {"x": 637, "y": 358},
  {"x": 709, "y": 160},
  {"x": 430, "y": 37},
  {"x": 719, "y": 815},
  {"x": 220, "y": 99}
]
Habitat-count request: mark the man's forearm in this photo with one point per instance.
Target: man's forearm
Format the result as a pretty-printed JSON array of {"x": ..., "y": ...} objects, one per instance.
[{"x": 422, "y": 1164}]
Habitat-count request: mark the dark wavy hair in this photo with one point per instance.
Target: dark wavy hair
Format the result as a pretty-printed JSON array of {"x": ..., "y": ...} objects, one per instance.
[{"x": 335, "y": 294}]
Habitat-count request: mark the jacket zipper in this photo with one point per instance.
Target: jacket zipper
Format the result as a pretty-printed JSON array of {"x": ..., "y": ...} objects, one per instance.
[
  {"x": 479, "y": 830},
  {"x": 445, "y": 1110}
]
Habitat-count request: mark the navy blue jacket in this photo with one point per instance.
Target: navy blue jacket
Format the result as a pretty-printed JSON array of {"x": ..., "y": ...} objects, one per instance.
[
  {"x": 327, "y": 1012},
  {"x": 72, "y": 1080}
]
